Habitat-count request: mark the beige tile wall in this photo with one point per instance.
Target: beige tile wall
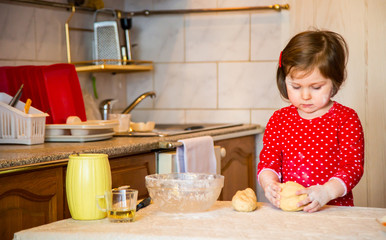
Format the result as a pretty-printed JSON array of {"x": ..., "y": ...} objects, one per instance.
[{"x": 212, "y": 67}]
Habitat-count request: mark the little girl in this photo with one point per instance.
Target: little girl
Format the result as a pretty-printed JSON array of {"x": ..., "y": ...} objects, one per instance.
[{"x": 315, "y": 141}]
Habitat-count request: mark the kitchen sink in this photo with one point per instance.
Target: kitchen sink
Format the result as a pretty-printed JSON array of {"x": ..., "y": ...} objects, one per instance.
[{"x": 177, "y": 129}]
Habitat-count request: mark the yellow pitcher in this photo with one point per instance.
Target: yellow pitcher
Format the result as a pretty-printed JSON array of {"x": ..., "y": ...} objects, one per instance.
[{"x": 88, "y": 175}]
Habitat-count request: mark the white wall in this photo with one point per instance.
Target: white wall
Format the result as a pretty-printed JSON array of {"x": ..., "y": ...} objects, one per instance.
[{"x": 218, "y": 67}]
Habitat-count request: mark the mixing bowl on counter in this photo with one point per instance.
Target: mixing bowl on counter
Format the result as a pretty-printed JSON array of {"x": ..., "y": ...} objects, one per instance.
[{"x": 184, "y": 192}]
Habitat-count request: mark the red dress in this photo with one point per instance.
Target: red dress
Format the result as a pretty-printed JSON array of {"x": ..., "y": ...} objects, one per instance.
[{"x": 312, "y": 151}]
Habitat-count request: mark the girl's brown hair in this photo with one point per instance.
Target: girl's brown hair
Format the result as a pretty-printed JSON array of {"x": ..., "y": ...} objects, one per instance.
[{"x": 325, "y": 50}]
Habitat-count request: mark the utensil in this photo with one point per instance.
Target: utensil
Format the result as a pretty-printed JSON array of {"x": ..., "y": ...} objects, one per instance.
[
  {"x": 144, "y": 203},
  {"x": 17, "y": 96},
  {"x": 106, "y": 40},
  {"x": 126, "y": 26},
  {"x": 27, "y": 105}
]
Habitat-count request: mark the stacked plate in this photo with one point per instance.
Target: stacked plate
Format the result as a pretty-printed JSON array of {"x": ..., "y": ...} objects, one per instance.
[{"x": 92, "y": 130}]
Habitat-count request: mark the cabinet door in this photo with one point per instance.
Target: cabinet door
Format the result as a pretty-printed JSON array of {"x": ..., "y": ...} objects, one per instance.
[
  {"x": 238, "y": 166},
  {"x": 30, "y": 199},
  {"x": 131, "y": 170}
]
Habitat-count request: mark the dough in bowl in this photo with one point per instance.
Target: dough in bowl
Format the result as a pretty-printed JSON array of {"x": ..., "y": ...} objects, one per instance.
[
  {"x": 288, "y": 198},
  {"x": 245, "y": 200}
]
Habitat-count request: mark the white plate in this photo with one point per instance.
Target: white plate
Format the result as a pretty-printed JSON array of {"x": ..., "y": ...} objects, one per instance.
[
  {"x": 92, "y": 124},
  {"x": 87, "y": 138},
  {"x": 93, "y": 127}
]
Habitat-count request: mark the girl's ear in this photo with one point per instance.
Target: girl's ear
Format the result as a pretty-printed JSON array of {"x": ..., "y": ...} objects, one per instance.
[{"x": 334, "y": 90}]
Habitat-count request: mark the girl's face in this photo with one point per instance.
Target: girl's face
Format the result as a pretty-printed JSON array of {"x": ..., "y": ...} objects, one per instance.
[{"x": 310, "y": 93}]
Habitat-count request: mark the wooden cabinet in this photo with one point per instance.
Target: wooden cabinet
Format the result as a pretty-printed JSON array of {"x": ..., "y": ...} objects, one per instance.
[
  {"x": 131, "y": 170},
  {"x": 238, "y": 166},
  {"x": 29, "y": 199},
  {"x": 35, "y": 197}
]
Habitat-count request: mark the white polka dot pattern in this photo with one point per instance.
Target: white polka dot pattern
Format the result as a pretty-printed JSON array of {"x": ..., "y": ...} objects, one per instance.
[{"x": 312, "y": 151}]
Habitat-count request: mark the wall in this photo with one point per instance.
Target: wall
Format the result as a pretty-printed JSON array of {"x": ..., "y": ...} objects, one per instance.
[{"x": 218, "y": 67}]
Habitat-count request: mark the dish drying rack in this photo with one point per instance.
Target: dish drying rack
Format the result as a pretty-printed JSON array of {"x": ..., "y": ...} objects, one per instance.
[{"x": 18, "y": 127}]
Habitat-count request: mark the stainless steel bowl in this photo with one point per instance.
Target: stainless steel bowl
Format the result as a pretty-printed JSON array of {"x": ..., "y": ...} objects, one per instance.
[{"x": 184, "y": 192}]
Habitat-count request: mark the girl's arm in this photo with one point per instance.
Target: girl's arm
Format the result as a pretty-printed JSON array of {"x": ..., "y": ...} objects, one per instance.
[
  {"x": 269, "y": 167},
  {"x": 351, "y": 154},
  {"x": 351, "y": 159}
]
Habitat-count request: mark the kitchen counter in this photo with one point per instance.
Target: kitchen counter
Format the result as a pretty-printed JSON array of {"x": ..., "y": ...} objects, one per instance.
[
  {"x": 222, "y": 222},
  {"x": 17, "y": 156}
]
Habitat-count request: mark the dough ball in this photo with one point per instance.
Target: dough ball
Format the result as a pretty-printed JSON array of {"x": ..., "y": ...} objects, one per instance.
[
  {"x": 245, "y": 200},
  {"x": 288, "y": 199}
]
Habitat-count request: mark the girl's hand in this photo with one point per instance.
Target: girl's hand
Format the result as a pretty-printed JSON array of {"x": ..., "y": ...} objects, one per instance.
[
  {"x": 318, "y": 196},
  {"x": 272, "y": 193},
  {"x": 269, "y": 181}
]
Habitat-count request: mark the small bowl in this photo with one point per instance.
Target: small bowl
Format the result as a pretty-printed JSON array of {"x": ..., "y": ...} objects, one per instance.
[
  {"x": 184, "y": 192},
  {"x": 142, "y": 127}
]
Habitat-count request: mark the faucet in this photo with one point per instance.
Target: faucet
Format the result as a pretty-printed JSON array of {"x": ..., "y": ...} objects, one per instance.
[
  {"x": 138, "y": 100},
  {"x": 105, "y": 108}
]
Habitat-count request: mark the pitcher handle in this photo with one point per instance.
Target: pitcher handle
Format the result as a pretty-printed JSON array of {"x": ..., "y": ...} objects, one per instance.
[{"x": 97, "y": 201}]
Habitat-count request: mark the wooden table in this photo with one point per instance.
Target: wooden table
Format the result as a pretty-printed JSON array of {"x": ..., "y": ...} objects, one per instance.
[{"x": 222, "y": 222}]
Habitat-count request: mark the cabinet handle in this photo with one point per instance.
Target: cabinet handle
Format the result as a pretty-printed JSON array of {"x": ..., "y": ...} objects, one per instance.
[
  {"x": 169, "y": 145},
  {"x": 223, "y": 152}
]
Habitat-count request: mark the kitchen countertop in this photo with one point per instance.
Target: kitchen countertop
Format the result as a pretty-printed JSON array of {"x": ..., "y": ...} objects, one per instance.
[
  {"x": 222, "y": 222},
  {"x": 17, "y": 156}
]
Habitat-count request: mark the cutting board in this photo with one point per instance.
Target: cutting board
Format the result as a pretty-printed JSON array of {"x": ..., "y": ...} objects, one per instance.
[{"x": 53, "y": 89}]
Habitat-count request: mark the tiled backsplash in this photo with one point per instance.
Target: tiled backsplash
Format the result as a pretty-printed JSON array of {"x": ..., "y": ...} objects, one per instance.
[{"x": 208, "y": 67}]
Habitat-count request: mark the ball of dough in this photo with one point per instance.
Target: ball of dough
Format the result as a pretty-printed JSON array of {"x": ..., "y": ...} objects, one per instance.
[
  {"x": 244, "y": 201},
  {"x": 288, "y": 198}
]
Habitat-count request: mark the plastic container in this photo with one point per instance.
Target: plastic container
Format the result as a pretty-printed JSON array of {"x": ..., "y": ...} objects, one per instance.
[
  {"x": 87, "y": 176},
  {"x": 124, "y": 121},
  {"x": 17, "y": 127}
]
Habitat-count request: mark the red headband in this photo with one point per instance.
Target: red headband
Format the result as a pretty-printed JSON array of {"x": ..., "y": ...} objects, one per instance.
[{"x": 280, "y": 59}]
